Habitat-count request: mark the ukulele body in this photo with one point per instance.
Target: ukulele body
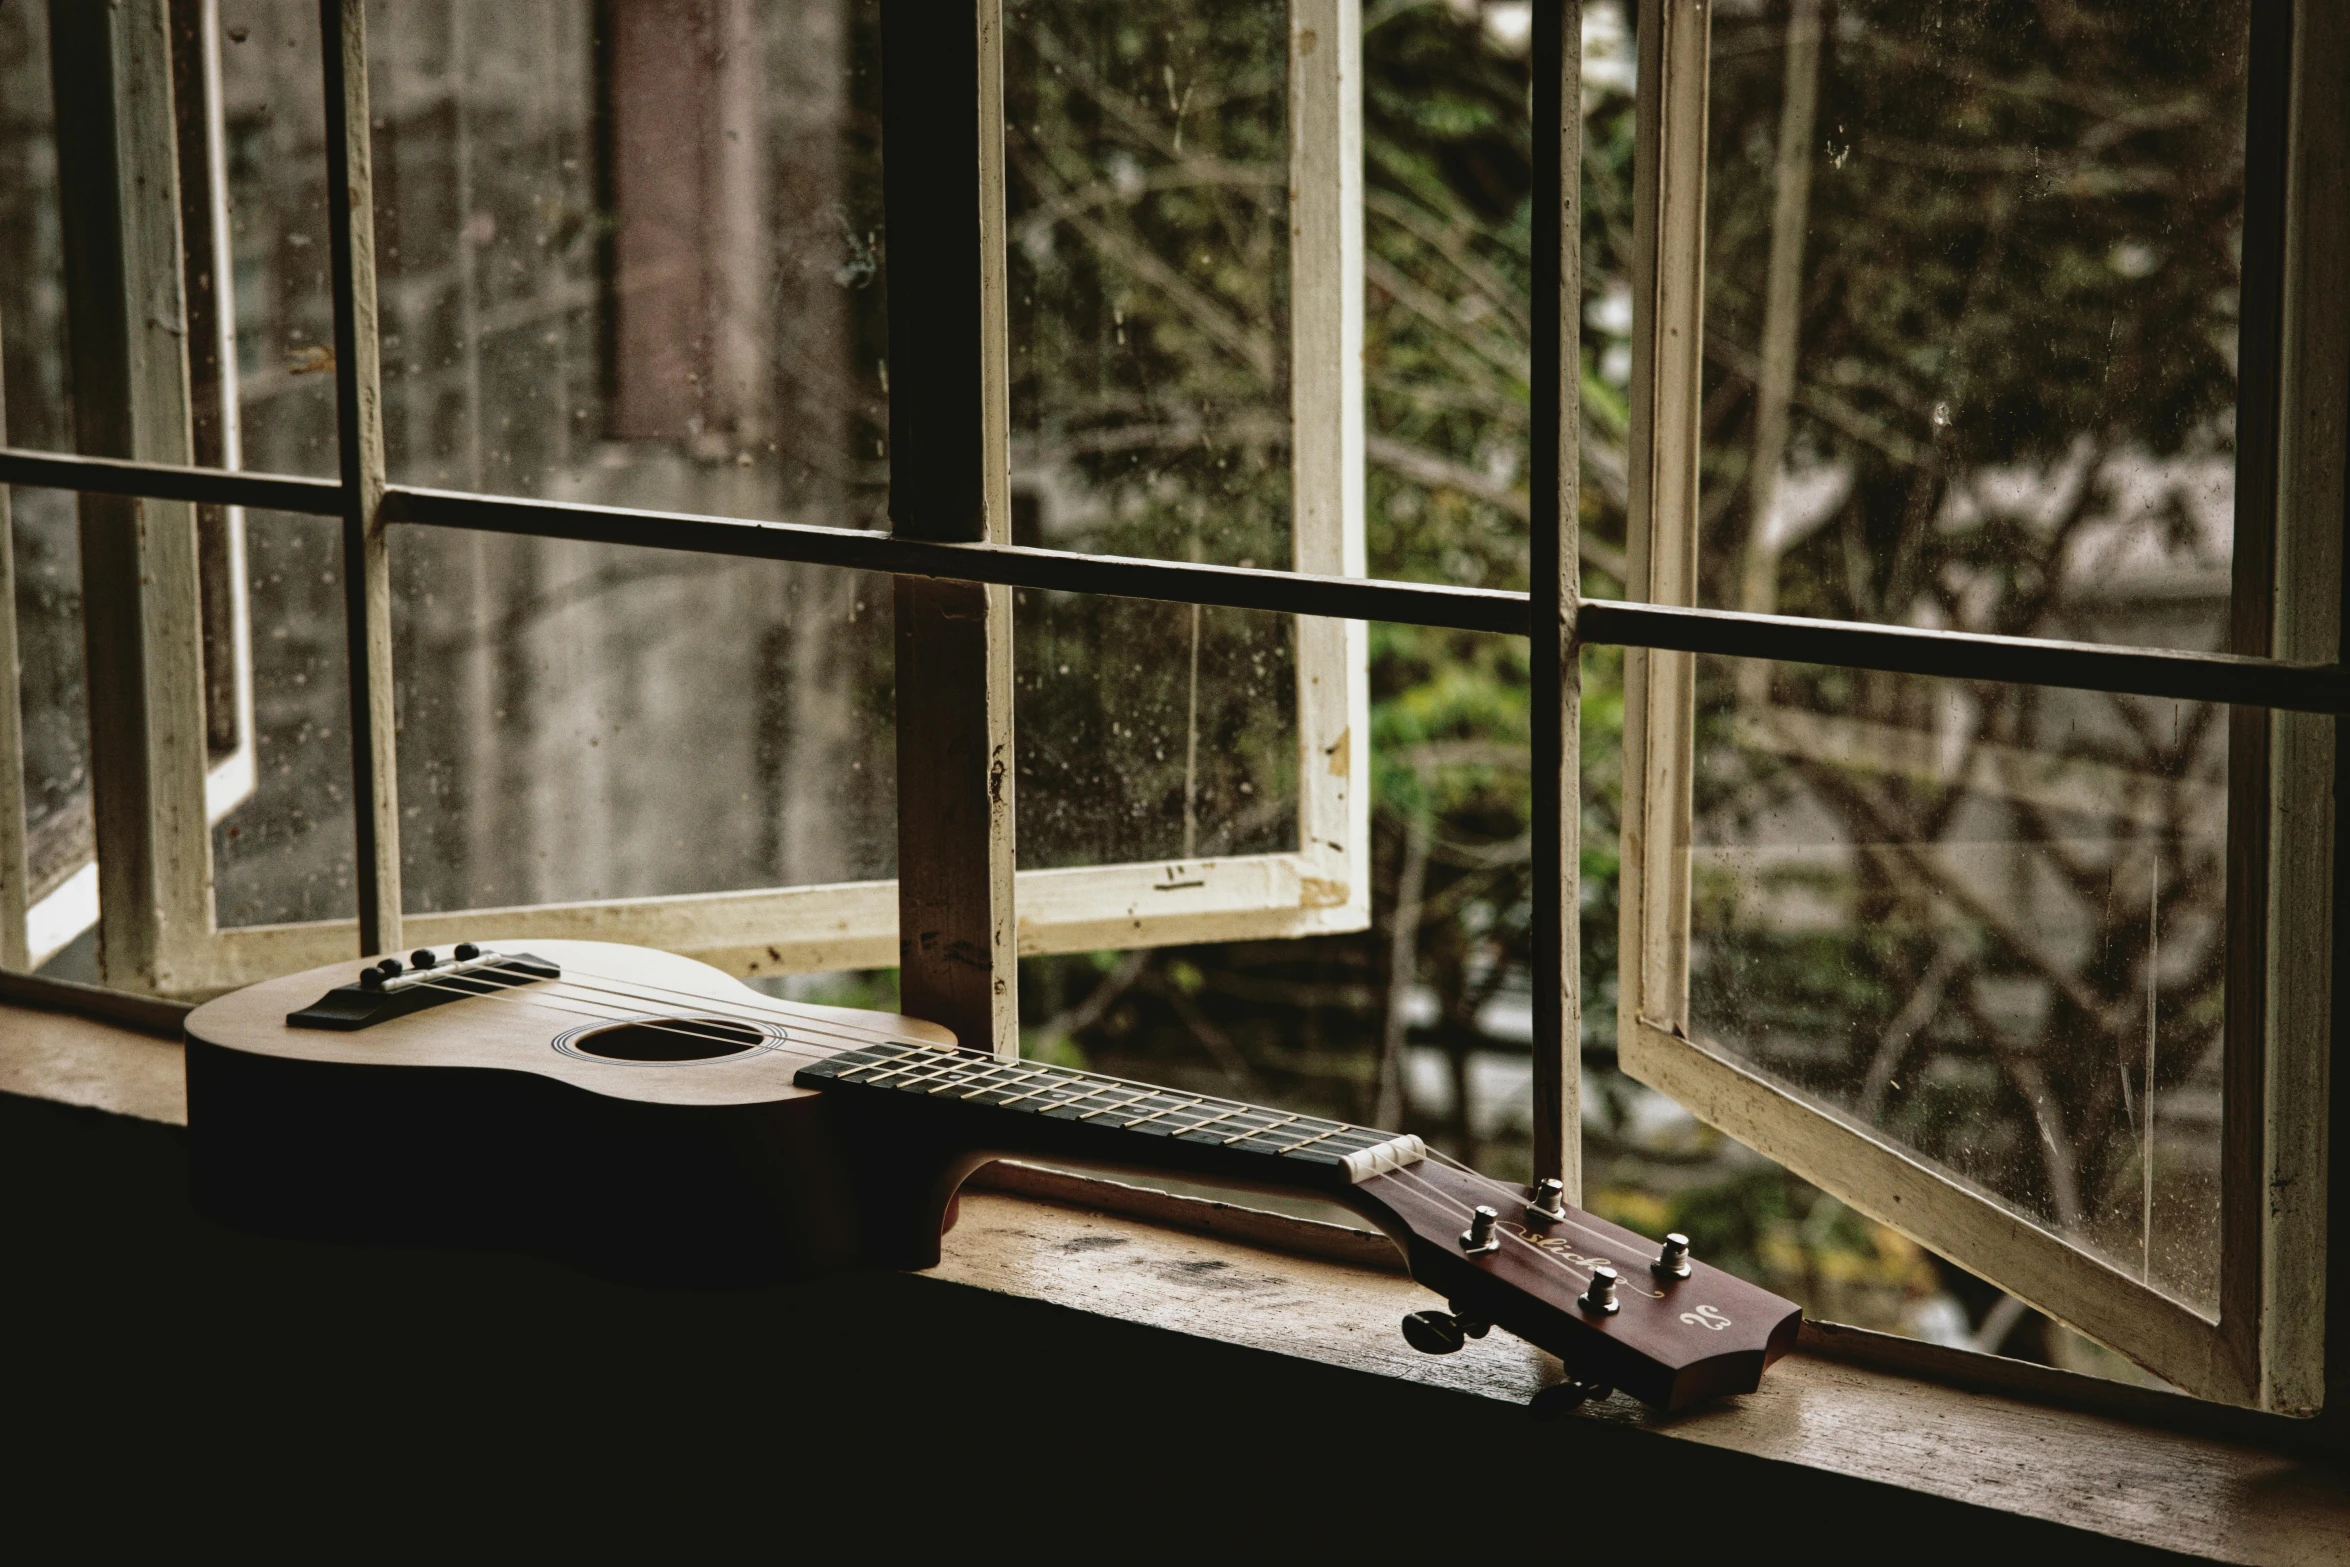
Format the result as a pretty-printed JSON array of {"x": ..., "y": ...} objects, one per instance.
[{"x": 491, "y": 1122}]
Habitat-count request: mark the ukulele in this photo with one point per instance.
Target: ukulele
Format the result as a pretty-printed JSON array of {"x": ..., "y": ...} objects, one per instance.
[{"x": 653, "y": 1117}]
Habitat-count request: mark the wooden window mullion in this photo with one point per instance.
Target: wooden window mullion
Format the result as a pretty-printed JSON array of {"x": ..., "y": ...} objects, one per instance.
[
  {"x": 118, "y": 181},
  {"x": 367, "y": 580},
  {"x": 942, "y": 179}
]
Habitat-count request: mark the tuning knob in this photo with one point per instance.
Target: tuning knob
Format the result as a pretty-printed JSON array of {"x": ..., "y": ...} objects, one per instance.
[
  {"x": 1601, "y": 1296},
  {"x": 389, "y": 968},
  {"x": 1561, "y": 1397},
  {"x": 1481, "y": 1236},
  {"x": 1471, "y": 1324},
  {"x": 466, "y": 952},
  {"x": 1548, "y": 1205},
  {"x": 1433, "y": 1332},
  {"x": 424, "y": 957},
  {"x": 1673, "y": 1261}
]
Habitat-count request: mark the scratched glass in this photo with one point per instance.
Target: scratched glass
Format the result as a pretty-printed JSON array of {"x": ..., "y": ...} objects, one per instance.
[
  {"x": 281, "y": 802},
  {"x": 47, "y": 537},
  {"x": 1971, "y": 303},
  {"x": 1986, "y": 922},
  {"x": 631, "y": 256},
  {"x": 1147, "y": 164}
]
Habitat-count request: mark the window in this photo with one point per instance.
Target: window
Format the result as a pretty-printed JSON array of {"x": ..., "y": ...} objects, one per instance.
[
  {"x": 738, "y": 291},
  {"x": 1993, "y": 961},
  {"x": 1978, "y": 748}
]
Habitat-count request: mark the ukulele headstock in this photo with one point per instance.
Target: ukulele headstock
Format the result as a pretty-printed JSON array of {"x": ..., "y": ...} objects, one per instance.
[{"x": 1663, "y": 1326}]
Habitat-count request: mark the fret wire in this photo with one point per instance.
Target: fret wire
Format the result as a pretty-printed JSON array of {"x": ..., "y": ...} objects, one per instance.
[
  {"x": 1179, "y": 1104},
  {"x": 901, "y": 1067},
  {"x": 1317, "y": 1137},
  {"x": 1045, "y": 1082},
  {"x": 913, "y": 1071},
  {"x": 1221, "y": 1115},
  {"x": 1128, "y": 1102},
  {"x": 965, "y": 1081},
  {"x": 916, "y": 1071},
  {"x": 1001, "y": 1066},
  {"x": 1262, "y": 1130}
]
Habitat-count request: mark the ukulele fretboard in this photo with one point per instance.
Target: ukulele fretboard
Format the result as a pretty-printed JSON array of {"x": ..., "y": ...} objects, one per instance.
[{"x": 1065, "y": 1094}]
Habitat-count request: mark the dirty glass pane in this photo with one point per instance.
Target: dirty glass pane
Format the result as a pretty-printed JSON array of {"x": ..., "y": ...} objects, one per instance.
[
  {"x": 1971, "y": 302},
  {"x": 1147, "y": 153},
  {"x": 1152, "y": 731},
  {"x": 1148, "y": 159},
  {"x": 631, "y": 256},
  {"x": 1448, "y": 273},
  {"x": 580, "y": 721},
  {"x": 47, "y": 544},
  {"x": 273, "y": 154},
  {"x": 282, "y": 828},
  {"x": 1986, "y": 921}
]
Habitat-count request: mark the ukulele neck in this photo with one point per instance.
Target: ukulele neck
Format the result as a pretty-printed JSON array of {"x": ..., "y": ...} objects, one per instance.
[{"x": 1027, "y": 1105}]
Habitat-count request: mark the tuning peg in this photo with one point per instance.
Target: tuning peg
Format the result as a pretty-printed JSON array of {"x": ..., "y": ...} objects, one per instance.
[
  {"x": 424, "y": 957},
  {"x": 1601, "y": 1296},
  {"x": 1673, "y": 1261},
  {"x": 1480, "y": 1235},
  {"x": 1434, "y": 1332},
  {"x": 1548, "y": 1205},
  {"x": 1471, "y": 1324},
  {"x": 466, "y": 952},
  {"x": 1561, "y": 1397}
]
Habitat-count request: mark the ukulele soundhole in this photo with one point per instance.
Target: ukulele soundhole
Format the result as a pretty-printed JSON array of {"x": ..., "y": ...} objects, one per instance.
[{"x": 670, "y": 1039}]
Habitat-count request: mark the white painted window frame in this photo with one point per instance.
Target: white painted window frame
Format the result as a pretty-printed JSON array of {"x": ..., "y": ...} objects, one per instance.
[
  {"x": 1320, "y": 887},
  {"x": 2266, "y": 1348}
]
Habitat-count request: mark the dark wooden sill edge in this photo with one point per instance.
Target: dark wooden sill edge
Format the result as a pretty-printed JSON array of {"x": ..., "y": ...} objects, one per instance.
[
  {"x": 2025, "y": 1381},
  {"x": 2022, "y": 1380}
]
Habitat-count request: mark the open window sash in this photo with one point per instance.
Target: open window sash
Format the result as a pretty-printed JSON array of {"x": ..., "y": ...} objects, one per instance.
[
  {"x": 1321, "y": 886},
  {"x": 2263, "y": 1346}
]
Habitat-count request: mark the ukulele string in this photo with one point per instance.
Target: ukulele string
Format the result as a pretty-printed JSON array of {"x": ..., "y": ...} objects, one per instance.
[
  {"x": 665, "y": 1021},
  {"x": 766, "y": 1005},
  {"x": 640, "y": 989},
  {"x": 617, "y": 1015},
  {"x": 637, "y": 1017}
]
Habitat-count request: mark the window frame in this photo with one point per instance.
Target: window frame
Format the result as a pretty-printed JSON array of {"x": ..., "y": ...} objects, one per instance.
[
  {"x": 2265, "y": 1348},
  {"x": 1320, "y": 887},
  {"x": 160, "y": 933}
]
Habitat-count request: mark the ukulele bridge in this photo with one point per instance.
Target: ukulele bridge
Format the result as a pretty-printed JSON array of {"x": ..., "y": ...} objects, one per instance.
[{"x": 389, "y": 989}]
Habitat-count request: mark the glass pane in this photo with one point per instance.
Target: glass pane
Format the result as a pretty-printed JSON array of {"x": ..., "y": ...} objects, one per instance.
[
  {"x": 630, "y": 253},
  {"x": 579, "y": 722},
  {"x": 274, "y": 155},
  {"x": 1971, "y": 297},
  {"x": 283, "y": 833},
  {"x": 1152, "y": 731},
  {"x": 1149, "y": 267},
  {"x": 32, "y": 246},
  {"x": 1148, "y": 161},
  {"x": 1988, "y": 921},
  {"x": 631, "y": 256},
  {"x": 1447, "y": 177}
]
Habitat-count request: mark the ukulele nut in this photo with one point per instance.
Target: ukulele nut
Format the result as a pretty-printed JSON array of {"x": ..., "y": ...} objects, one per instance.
[
  {"x": 1481, "y": 1236},
  {"x": 1601, "y": 1296},
  {"x": 1548, "y": 1205},
  {"x": 1673, "y": 1261}
]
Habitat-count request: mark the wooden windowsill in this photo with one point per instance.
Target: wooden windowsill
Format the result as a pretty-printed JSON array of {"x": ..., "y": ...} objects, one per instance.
[{"x": 2024, "y": 1440}]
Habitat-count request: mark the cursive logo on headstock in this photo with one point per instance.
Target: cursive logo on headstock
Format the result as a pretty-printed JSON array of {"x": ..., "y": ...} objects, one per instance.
[
  {"x": 1706, "y": 1317},
  {"x": 1560, "y": 1247}
]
